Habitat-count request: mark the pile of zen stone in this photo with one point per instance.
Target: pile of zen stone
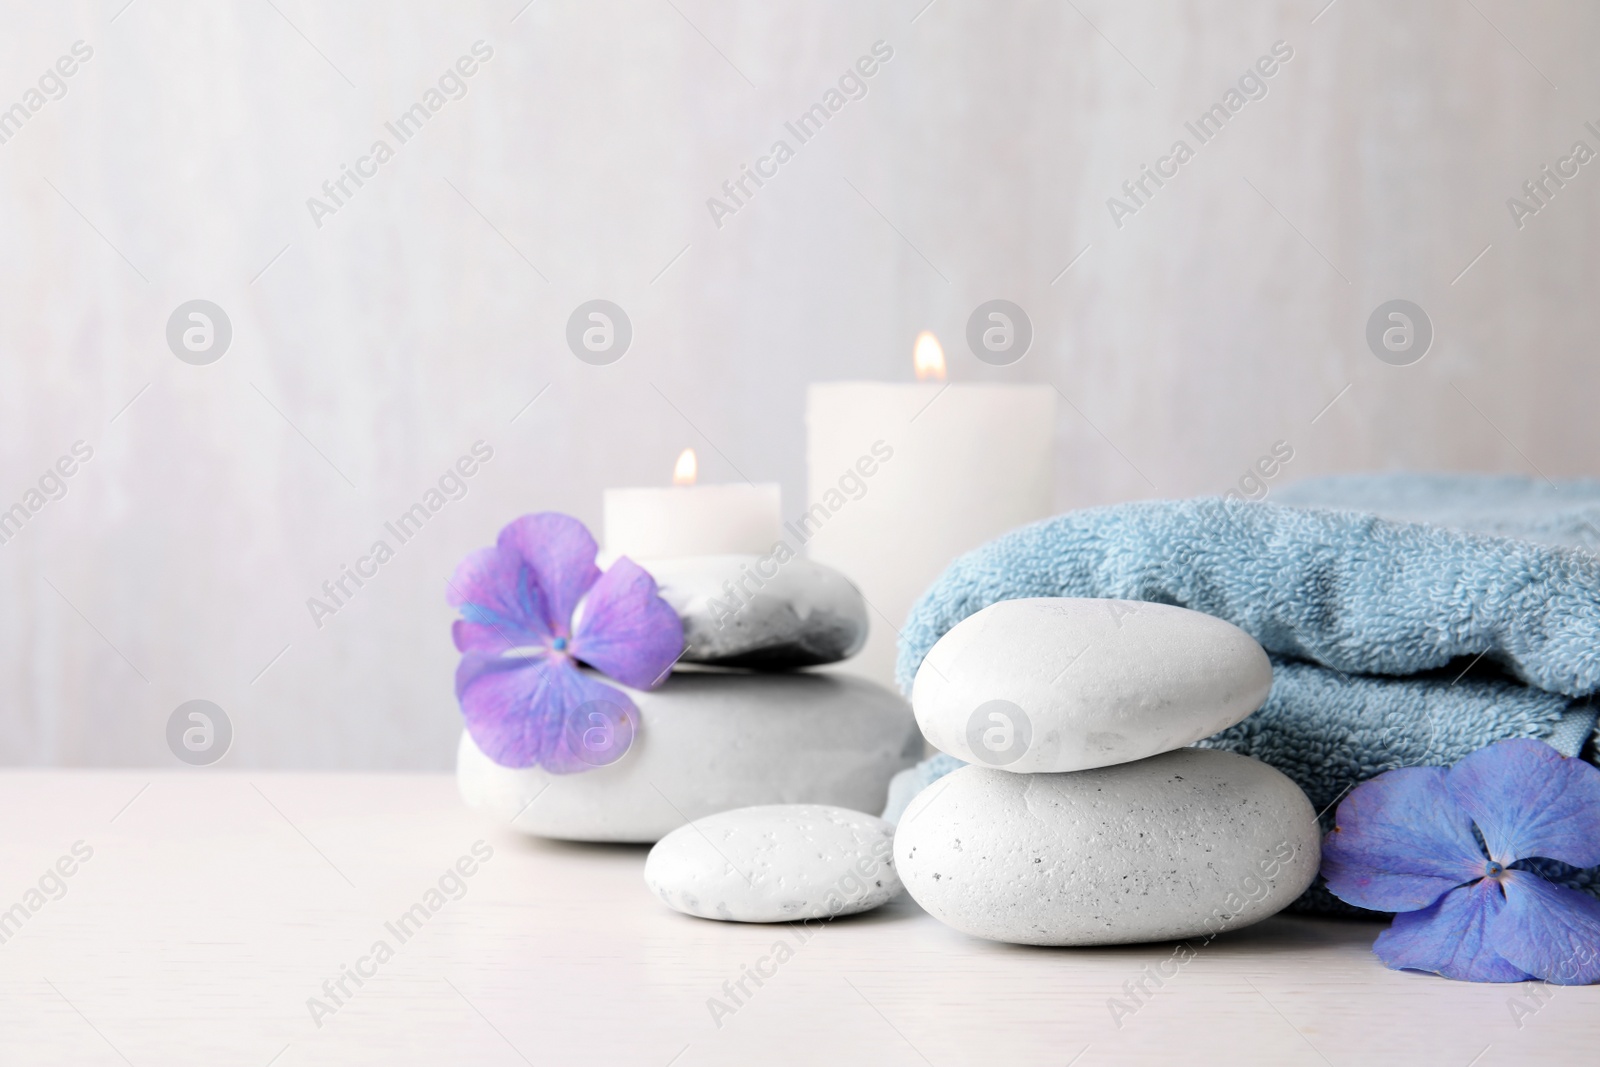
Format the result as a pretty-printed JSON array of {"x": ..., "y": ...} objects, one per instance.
[
  {"x": 1083, "y": 818},
  {"x": 739, "y": 721}
]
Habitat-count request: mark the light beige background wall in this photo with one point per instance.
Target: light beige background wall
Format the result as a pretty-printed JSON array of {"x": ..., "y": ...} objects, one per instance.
[{"x": 370, "y": 353}]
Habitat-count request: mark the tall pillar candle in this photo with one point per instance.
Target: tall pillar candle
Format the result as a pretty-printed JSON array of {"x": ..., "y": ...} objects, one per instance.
[{"x": 965, "y": 463}]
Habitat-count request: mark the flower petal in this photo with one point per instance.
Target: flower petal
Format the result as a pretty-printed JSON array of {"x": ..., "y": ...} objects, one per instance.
[
  {"x": 522, "y": 711},
  {"x": 627, "y": 630},
  {"x": 1548, "y": 930},
  {"x": 1530, "y": 800},
  {"x": 1399, "y": 842},
  {"x": 1449, "y": 937},
  {"x": 559, "y": 553},
  {"x": 500, "y": 608}
]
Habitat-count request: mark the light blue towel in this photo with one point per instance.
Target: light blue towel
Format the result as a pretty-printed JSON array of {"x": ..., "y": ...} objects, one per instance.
[
  {"x": 1393, "y": 642},
  {"x": 1553, "y": 513}
]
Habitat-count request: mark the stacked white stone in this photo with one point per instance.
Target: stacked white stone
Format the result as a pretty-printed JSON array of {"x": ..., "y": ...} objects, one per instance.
[
  {"x": 1084, "y": 819},
  {"x": 738, "y": 722}
]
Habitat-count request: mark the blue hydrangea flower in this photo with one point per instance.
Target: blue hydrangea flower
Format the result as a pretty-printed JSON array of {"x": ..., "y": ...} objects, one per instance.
[
  {"x": 525, "y": 699},
  {"x": 1449, "y": 850}
]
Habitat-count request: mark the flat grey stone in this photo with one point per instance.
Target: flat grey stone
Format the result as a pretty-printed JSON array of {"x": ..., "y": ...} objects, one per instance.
[
  {"x": 775, "y": 863},
  {"x": 711, "y": 741},
  {"x": 756, "y": 613},
  {"x": 1176, "y": 846}
]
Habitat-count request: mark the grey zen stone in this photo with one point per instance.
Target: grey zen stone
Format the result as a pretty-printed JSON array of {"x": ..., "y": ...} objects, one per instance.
[
  {"x": 1063, "y": 684},
  {"x": 710, "y": 741},
  {"x": 775, "y": 863},
  {"x": 757, "y": 613},
  {"x": 1176, "y": 846}
]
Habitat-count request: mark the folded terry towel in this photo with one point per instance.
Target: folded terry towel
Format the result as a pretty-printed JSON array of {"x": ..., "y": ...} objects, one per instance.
[
  {"x": 1393, "y": 643},
  {"x": 1554, "y": 513}
]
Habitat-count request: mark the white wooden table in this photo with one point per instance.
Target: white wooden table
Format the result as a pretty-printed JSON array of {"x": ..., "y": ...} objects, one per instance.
[{"x": 214, "y": 905}]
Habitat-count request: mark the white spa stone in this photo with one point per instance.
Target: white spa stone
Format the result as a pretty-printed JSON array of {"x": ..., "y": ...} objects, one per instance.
[
  {"x": 775, "y": 863},
  {"x": 757, "y": 613},
  {"x": 1063, "y": 684},
  {"x": 1180, "y": 845},
  {"x": 710, "y": 741}
]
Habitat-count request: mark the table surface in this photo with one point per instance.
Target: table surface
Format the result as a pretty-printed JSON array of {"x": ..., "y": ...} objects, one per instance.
[{"x": 213, "y": 906}]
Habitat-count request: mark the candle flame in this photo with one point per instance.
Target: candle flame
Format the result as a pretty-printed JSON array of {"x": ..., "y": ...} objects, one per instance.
[
  {"x": 927, "y": 357},
  {"x": 687, "y": 469}
]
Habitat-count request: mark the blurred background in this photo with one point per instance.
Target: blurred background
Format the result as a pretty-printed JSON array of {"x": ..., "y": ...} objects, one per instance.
[{"x": 381, "y": 331}]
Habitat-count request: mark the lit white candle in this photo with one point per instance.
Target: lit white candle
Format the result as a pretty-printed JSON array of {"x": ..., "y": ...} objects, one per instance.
[
  {"x": 968, "y": 463},
  {"x": 686, "y": 519}
]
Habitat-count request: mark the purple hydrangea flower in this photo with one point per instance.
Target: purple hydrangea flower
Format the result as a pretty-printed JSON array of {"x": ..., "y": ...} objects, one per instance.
[
  {"x": 524, "y": 697},
  {"x": 1447, "y": 850}
]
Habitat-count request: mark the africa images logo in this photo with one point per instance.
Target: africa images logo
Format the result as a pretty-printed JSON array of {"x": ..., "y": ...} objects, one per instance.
[
  {"x": 1399, "y": 332},
  {"x": 998, "y": 732}
]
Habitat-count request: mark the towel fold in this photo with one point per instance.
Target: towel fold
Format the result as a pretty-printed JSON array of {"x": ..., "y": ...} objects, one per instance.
[
  {"x": 1554, "y": 513},
  {"x": 1394, "y": 643}
]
